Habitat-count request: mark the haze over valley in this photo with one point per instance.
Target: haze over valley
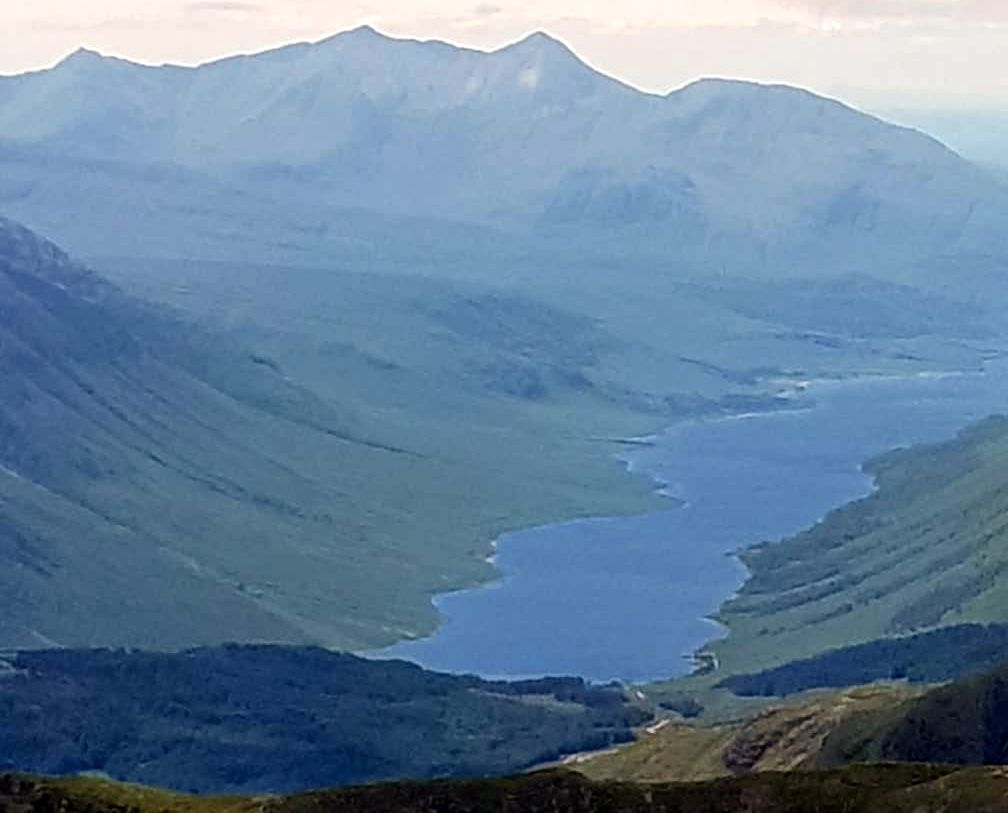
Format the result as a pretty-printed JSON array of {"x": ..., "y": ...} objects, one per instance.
[
  {"x": 496, "y": 259},
  {"x": 493, "y": 362}
]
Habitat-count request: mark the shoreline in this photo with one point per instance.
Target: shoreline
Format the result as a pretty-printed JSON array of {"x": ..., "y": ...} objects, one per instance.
[
  {"x": 787, "y": 399},
  {"x": 707, "y": 654}
]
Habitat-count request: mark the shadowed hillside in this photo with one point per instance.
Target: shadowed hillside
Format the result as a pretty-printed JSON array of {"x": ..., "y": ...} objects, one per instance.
[
  {"x": 964, "y": 723},
  {"x": 785, "y": 737},
  {"x": 961, "y": 723},
  {"x": 269, "y": 719},
  {"x": 905, "y": 789},
  {"x": 926, "y": 657}
]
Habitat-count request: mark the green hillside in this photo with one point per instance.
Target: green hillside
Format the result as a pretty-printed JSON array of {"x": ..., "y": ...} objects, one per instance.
[
  {"x": 963, "y": 723},
  {"x": 307, "y": 455},
  {"x": 927, "y": 549},
  {"x": 140, "y": 450},
  {"x": 960, "y": 723}
]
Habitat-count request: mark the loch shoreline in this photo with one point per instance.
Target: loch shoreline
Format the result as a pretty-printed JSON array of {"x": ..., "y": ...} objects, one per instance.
[{"x": 557, "y": 606}]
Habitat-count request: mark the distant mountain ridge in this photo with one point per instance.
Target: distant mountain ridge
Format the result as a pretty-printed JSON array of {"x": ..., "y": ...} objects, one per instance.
[{"x": 526, "y": 137}]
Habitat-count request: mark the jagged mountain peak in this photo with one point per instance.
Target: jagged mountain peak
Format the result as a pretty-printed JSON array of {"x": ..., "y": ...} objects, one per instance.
[
  {"x": 540, "y": 48},
  {"x": 365, "y": 32},
  {"x": 539, "y": 41},
  {"x": 362, "y": 35},
  {"x": 83, "y": 56},
  {"x": 539, "y": 65},
  {"x": 84, "y": 60}
]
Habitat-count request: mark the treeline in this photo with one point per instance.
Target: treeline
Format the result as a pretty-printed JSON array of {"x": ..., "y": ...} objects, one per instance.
[
  {"x": 267, "y": 718},
  {"x": 927, "y": 657}
]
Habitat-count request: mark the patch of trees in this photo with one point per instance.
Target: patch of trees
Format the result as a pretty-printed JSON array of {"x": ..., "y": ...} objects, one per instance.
[
  {"x": 268, "y": 718},
  {"x": 928, "y": 657}
]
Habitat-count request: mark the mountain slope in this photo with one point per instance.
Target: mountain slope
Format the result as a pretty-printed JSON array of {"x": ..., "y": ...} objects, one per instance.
[
  {"x": 163, "y": 488},
  {"x": 960, "y": 723},
  {"x": 926, "y": 550},
  {"x": 127, "y": 464},
  {"x": 964, "y": 723},
  {"x": 786, "y": 737}
]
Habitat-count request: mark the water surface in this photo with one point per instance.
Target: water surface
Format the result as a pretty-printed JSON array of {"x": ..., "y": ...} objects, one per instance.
[{"x": 627, "y": 598}]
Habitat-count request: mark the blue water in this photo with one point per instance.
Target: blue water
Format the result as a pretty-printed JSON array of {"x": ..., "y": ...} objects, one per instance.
[{"x": 627, "y": 598}]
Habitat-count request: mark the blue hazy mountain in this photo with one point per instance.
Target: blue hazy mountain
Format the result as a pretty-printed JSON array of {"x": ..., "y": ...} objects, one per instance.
[{"x": 318, "y": 138}]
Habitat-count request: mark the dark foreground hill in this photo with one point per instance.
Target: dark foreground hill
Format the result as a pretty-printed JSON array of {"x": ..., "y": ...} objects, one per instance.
[
  {"x": 275, "y": 719},
  {"x": 862, "y": 789},
  {"x": 257, "y": 719},
  {"x": 961, "y": 723},
  {"x": 933, "y": 656},
  {"x": 964, "y": 723}
]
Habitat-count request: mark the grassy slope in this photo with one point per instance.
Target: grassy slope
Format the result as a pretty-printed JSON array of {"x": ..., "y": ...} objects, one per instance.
[
  {"x": 863, "y": 789},
  {"x": 502, "y": 381},
  {"x": 506, "y": 376},
  {"x": 926, "y": 549},
  {"x": 964, "y": 723},
  {"x": 786, "y": 737},
  {"x": 140, "y": 451}
]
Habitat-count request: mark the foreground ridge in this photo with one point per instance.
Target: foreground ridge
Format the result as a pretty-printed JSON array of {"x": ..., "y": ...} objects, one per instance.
[{"x": 860, "y": 789}]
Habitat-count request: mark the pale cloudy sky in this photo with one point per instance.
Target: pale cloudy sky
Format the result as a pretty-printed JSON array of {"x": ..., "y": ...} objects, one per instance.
[{"x": 875, "y": 53}]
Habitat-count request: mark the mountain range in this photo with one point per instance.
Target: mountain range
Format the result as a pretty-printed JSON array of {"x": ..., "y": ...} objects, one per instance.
[{"x": 524, "y": 143}]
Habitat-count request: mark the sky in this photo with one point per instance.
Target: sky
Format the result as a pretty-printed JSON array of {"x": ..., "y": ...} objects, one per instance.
[{"x": 877, "y": 54}]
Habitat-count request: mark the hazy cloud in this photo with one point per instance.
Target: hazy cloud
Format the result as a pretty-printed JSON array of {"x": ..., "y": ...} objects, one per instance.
[
  {"x": 859, "y": 49},
  {"x": 907, "y": 12},
  {"x": 222, "y": 7},
  {"x": 487, "y": 10}
]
